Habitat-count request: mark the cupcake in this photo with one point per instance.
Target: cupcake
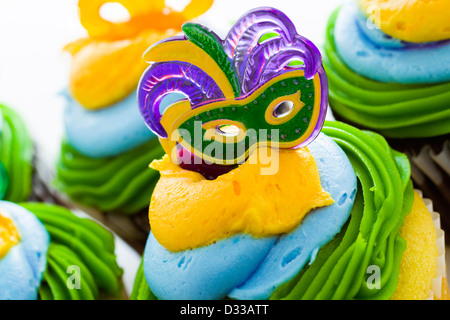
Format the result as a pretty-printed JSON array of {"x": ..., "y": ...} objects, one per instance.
[
  {"x": 16, "y": 157},
  {"x": 388, "y": 66},
  {"x": 107, "y": 146},
  {"x": 330, "y": 214},
  {"x": 48, "y": 253}
]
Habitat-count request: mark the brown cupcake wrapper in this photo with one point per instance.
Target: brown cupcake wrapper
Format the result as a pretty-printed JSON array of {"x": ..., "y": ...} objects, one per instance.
[
  {"x": 430, "y": 172},
  {"x": 133, "y": 229}
]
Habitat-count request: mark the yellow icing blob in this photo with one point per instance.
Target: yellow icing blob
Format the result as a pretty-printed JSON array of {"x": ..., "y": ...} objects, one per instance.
[
  {"x": 410, "y": 20},
  {"x": 187, "y": 211},
  {"x": 8, "y": 235},
  {"x": 107, "y": 65},
  {"x": 144, "y": 15},
  {"x": 104, "y": 72},
  {"x": 419, "y": 261}
]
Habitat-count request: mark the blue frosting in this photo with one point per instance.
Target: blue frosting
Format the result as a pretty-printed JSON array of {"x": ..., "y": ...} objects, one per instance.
[
  {"x": 371, "y": 53},
  {"x": 109, "y": 131},
  {"x": 22, "y": 267},
  {"x": 244, "y": 267}
]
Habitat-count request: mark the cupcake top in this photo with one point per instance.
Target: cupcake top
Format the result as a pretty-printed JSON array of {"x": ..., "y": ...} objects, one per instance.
[
  {"x": 377, "y": 46},
  {"x": 105, "y": 70},
  {"x": 227, "y": 205},
  {"x": 46, "y": 252},
  {"x": 398, "y": 19},
  {"x": 24, "y": 243}
]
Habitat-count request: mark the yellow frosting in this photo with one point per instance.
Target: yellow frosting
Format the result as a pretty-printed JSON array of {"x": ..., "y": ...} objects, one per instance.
[
  {"x": 8, "y": 235},
  {"x": 104, "y": 72},
  {"x": 419, "y": 261},
  {"x": 410, "y": 20},
  {"x": 107, "y": 65},
  {"x": 188, "y": 211}
]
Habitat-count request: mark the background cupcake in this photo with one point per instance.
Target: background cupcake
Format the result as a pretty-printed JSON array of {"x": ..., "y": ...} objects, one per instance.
[
  {"x": 48, "y": 253},
  {"x": 389, "y": 72},
  {"x": 107, "y": 147},
  {"x": 389, "y": 227}
]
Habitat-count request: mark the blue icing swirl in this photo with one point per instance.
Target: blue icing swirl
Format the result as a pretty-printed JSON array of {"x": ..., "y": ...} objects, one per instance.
[
  {"x": 109, "y": 131},
  {"x": 22, "y": 268},
  {"x": 219, "y": 270},
  {"x": 375, "y": 55}
]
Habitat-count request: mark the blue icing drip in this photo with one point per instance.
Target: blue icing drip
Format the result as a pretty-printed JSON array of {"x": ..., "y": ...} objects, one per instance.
[
  {"x": 375, "y": 55},
  {"x": 22, "y": 268},
  {"x": 249, "y": 268}
]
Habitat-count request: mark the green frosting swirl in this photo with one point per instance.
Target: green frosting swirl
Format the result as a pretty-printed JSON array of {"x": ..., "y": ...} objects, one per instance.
[
  {"x": 123, "y": 183},
  {"x": 369, "y": 238},
  {"x": 16, "y": 155},
  {"x": 78, "y": 242},
  {"x": 394, "y": 110}
]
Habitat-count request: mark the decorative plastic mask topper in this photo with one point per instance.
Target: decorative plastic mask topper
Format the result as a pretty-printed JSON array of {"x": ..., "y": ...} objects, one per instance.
[{"x": 264, "y": 85}]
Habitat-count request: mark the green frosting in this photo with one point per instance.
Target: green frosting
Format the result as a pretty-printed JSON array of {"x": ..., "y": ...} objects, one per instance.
[
  {"x": 123, "y": 183},
  {"x": 141, "y": 290},
  {"x": 394, "y": 110},
  {"x": 16, "y": 155},
  {"x": 370, "y": 236},
  {"x": 81, "y": 243}
]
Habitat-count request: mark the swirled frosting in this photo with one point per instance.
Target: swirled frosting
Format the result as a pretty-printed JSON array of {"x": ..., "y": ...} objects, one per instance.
[
  {"x": 245, "y": 200},
  {"x": 271, "y": 260},
  {"x": 16, "y": 154},
  {"x": 371, "y": 53},
  {"x": 374, "y": 234},
  {"x": 23, "y": 264},
  {"x": 77, "y": 245},
  {"x": 371, "y": 236},
  {"x": 121, "y": 183},
  {"x": 52, "y": 243},
  {"x": 394, "y": 110}
]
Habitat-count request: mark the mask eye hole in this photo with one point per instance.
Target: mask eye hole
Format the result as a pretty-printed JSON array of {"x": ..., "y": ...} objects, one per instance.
[
  {"x": 283, "y": 109},
  {"x": 228, "y": 130}
]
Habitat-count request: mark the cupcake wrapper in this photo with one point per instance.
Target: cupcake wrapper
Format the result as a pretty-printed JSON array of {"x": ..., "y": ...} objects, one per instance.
[
  {"x": 430, "y": 172},
  {"x": 441, "y": 274}
]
